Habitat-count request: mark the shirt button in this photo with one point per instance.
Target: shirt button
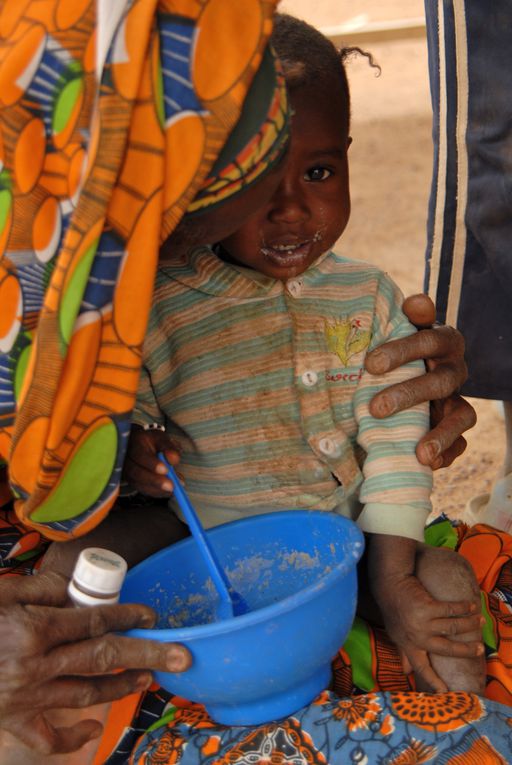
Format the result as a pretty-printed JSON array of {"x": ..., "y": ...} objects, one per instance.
[
  {"x": 309, "y": 378},
  {"x": 327, "y": 446},
  {"x": 294, "y": 287}
]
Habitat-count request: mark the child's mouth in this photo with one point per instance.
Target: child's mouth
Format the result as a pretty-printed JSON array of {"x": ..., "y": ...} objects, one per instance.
[{"x": 292, "y": 254}]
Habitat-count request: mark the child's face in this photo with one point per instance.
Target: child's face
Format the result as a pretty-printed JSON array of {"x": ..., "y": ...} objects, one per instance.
[
  {"x": 311, "y": 206},
  {"x": 213, "y": 225}
]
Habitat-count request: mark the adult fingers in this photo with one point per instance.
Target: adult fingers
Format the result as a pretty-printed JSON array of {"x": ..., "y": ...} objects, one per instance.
[
  {"x": 111, "y": 652},
  {"x": 28, "y": 634},
  {"x": 82, "y": 692},
  {"x": 34, "y": 629},
  {"x": 420, "y": 310},
  {"x": 38, "y": 626},
  {"x": 452, "y": 417},
  {"x": 451, "y": 454},
  {"x": 440, "y": 383},
  {"x": 37, "y": 734},
  {"x": 439, "y": 343},
  {"x": 48, "y": 589}
]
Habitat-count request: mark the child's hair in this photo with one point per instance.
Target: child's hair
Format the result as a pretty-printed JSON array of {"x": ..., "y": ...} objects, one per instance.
[{"x": 310, "y": 58}]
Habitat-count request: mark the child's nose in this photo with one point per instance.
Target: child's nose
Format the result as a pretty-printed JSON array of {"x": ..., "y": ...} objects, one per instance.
[{"x": 288, "y": 204}]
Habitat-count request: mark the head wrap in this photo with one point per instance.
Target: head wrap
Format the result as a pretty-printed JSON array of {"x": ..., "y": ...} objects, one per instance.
[
  {"x": 257, "y": 142},
  {"x": 111, "y": 118}
]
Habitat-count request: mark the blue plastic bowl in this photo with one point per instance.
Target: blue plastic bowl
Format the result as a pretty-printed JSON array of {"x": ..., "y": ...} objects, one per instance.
[{"x": 297, "y": 572}]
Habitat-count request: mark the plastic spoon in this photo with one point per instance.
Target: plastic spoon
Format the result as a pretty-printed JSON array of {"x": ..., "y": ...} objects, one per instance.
[{"x": 230, "y": 602}]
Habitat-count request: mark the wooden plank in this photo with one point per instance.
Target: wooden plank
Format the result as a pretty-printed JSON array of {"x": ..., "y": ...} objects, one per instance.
[{"x": 377, "y": 31}]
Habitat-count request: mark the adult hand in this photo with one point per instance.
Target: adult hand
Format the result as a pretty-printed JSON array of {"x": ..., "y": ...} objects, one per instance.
[
  {"x": 443, "y": 350},
  {"x": 142, "y": 468},
  {"x": 54, "y": 657}
]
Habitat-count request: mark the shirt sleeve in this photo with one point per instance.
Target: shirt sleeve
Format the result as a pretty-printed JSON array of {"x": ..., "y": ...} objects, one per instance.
[{"x": 396, "y": 488}]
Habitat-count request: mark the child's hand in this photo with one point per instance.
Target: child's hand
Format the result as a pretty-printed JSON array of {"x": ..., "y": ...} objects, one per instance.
[
  {"x": 142, "y": 468},
  {"x": 420, "y": 625}
]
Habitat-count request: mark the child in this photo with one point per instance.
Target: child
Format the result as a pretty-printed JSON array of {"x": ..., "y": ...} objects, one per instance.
[{"x": 254, "y": 366}]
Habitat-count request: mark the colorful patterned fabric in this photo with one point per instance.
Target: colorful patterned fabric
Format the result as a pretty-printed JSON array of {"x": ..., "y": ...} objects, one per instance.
[
  {"x": 376, "y": 728},
  {"x": 370, "y": 715},
  {"x": 111, "y": 117},
  {"x": 261, "y": 384}
]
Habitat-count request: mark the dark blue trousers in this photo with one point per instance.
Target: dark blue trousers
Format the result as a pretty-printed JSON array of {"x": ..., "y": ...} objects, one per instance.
[{"x": 469, "y": 250}]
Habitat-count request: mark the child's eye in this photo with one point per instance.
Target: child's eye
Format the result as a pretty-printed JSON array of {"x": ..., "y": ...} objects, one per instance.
[{"x": 317, "y": 174}]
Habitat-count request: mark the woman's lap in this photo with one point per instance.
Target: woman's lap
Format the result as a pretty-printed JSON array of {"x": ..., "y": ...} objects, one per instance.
[{"x": 371, "y": 715}]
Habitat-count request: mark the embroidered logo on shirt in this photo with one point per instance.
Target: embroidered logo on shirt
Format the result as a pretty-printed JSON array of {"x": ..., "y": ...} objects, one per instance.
[{"x": 346, "y": 338}]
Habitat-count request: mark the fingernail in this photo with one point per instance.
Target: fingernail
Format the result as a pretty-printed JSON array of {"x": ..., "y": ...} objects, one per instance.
[
  {"x": 482, "y": 621},
  {"x": 379, "y": 362},
  {"x": 386, "y": 404},
  {"x": 175, "y": 660},
  {"x": 147, "y": 619},
  {"x": 479, "y": 650},
  {"x": 433, "y": 450},
  {"x": 161, "y": 469},
  {"x": 143, "y": 682},
  {"x": 167, "y": 486}
]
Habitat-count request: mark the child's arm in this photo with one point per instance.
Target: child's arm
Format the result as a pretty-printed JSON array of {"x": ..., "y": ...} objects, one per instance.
[
  {"x": 142, "y": 469},
  {"x": 396, "y": 494},
  {"x": 417, "y": 623}
]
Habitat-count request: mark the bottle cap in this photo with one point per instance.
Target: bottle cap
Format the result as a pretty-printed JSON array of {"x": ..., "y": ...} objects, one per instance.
[{"x": 99, "y": 572}]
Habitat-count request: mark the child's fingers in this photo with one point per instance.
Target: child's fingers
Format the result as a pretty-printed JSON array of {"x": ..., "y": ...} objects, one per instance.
[
  {"x": 453, "y": 648},
  {"x": 147, "y": 481},
  {"x": 406, "y": 664},
  {"x": 456, "y": 625},
  {"x": 144, "y": 452},
  {"x": 172, "y": 456},
  {"x": 420, "y": 665},
  {"x": 450, "y": 609},
  {"x": 144, "y": 445}
]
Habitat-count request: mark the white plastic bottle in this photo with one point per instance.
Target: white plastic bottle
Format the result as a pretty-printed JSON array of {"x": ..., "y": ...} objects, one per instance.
[{"x": 97, "y": 580}]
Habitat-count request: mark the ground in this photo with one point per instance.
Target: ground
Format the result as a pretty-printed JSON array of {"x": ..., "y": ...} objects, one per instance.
[{"x": 390, "y": 166}]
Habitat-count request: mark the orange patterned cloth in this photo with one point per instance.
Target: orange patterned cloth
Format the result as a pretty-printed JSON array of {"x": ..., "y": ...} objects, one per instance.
[{"x": 111, "y": 118}]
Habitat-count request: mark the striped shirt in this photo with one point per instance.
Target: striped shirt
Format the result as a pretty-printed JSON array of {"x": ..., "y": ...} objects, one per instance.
[{"x": 262, "y": 387}]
